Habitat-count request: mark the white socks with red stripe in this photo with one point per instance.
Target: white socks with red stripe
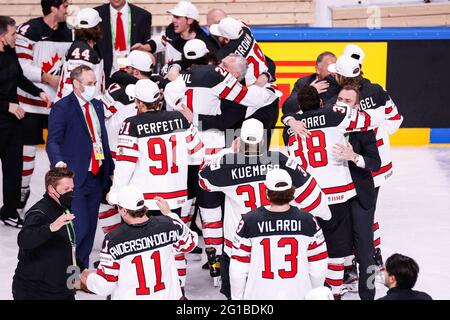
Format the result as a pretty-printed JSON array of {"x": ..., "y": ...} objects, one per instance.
[
  {"x": 376, "y": 235},
  {"x": 212, "y": 228},
  {"x": 187, "y": 211},
  {"x": 181, "y": 264},
  {"x": 335, "y": 275},
  {"x": 28, "y": 157}
]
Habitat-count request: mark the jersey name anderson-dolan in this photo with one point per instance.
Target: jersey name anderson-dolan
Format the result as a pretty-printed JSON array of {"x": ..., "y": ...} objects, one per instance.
[{"x": 143, "y": 243}]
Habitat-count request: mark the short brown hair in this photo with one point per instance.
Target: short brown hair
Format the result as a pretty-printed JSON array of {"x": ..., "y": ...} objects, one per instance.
[
  {"x": 156, "y": 105},
  {"x": 355, "y": 82},
  {"x": 75, "y": 74},
  {"x": 136, "y": 213},
  {"x": 308, "y": 98},
  {"x": 94, "y": 33},
  {"x": 352, "y": 88},
  {"x": 281, "y": 197},
  {"x": 54, "y": 175}
]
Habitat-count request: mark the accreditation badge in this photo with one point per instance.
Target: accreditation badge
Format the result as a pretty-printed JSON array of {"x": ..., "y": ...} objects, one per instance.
[{"x": 98, "y": 151}]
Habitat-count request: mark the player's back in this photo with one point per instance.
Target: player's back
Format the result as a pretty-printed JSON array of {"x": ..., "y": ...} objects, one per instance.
[
  {"x": 118, "y": 106},
  {"x": 315, "y": 152},
  {"x": 80, "y": 53},
  {"x": 160, "y": 139},
  {"x": 247, "y": 47},
  {"x": 145, "y": 258},
  {"x": 279, "y": 267}
]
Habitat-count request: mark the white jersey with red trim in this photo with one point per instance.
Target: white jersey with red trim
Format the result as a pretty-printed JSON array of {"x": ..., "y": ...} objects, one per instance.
[
  {"x": 206, "y": 85},
  {"x": 277, "y": 256},
  {"x": 328, "y": 126},
  {"x": 241, "y": 179},
  {"x": 137, "y": 262},
  {"x": 40, "y": 49},
  {"x": 118, "y": 106},
  {"x": 153, "y": 153},
  {"x": 373, "y": 97},
  {"x": 80, "y": 53},
  {"x": 247, "y": 47}
]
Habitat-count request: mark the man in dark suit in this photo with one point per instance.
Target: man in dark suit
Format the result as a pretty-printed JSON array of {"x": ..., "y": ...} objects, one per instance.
[
  {"x": 123, "y": 25},
  {"x": 77, "y": 139},
  {"x": 363, "y": 158},
  {"x": 321, "y": 80}
]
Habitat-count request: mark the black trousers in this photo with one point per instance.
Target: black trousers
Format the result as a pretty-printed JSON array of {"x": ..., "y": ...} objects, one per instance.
[
  {"x": 11, "y": 148},
  {"x": 362, "y": 228},
  {"x": 21, "y": 291},
  {"x": 225, "y": 275}
]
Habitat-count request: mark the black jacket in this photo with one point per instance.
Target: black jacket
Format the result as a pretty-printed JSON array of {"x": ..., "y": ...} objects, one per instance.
[
  {"x": 44, "y": 256},
  {"x": 290, "y": 105},
  {"x": 11, "y": 77},
  {"x": 141, "y": 23},
  {"x": 365, "y": 144},
  {"x": 405, "y": 294}
]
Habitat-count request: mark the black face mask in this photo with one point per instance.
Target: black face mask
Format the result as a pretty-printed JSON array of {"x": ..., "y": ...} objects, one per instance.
[{"x": 66, "y": 199}]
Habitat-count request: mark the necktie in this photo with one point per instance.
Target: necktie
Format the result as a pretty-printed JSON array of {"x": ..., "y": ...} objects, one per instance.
[
  {"x": 120, "y": 43},
  {"x": 95, "y": 163}
]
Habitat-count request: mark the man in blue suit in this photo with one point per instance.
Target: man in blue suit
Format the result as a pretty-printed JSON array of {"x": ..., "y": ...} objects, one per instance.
[{"x": 77, "y": 139}]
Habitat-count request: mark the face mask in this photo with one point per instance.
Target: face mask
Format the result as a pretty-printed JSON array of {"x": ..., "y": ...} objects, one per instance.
[
  {"x": 88, "y": 93},
  {"x": 66, "y": 199}
]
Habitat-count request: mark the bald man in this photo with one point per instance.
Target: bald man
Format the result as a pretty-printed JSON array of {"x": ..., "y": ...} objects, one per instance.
[{"x": 214, "y": 16}]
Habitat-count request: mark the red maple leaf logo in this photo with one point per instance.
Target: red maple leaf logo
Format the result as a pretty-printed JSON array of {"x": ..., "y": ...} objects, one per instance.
[{"x": 47, "y": 66}]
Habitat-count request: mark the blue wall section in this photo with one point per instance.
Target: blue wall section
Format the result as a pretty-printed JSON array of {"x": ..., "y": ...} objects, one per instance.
[
  {"x": 293, "y": 33},
  {"x": 440, "y": 135}
]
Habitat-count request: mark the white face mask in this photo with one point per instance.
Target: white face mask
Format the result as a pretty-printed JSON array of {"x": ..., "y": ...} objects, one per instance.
[{"x": 88, "y": 93}]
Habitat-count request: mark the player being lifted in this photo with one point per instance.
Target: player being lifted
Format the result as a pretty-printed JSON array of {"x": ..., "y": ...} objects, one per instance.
[
  {"x": 240, "y": 176},
  {"x": 137, "y": 259},
  {"x": 118, "y": 106},
  {"x": 41, "y": 44},
  {"x": 279, "y": 251},
  {"x": 153, "y": 151},
  {"x": 84, "y": 51},
  {"x": 328, "y": 126}
]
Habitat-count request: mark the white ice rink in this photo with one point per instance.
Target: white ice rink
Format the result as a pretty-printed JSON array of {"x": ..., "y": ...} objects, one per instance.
[{"x": 413, "y": 211}]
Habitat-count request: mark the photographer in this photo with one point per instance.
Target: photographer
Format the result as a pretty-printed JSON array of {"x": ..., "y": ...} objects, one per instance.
[{"x": 46, "y": 243}]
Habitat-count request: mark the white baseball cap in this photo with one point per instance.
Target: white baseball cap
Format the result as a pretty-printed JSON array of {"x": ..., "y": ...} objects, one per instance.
[
  {"x": 174, "y": 93},
  {"x": 320, "y": 293},
  {"x": 87, "y": 18},
  {"x": 145, "y": 90},
  {"x": 194, "y": 49},
  {"x": 228, "y": 27},
  {"x": 127, "y": 197},
  {"x": 345, "y": 66},
  {"x": 252, "y": 131},
  {"x": 278, "y": 176},
  {"x": 139, "y": 60},
  {"x": 355, "y": 52},
  {"x": 185, "y": 9}
]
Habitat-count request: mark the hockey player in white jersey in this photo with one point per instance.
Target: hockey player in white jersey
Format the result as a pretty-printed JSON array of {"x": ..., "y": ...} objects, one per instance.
[
  {"x": 137, "y": 259},
  {"x": 153, "y": 152},
  {"x": 84, "y": 51},
  {"x": 206, "y": 86},
  {"x": 118, "y": 106},
  {"x": 41, "y": 45},
  {"x": 279, "y": 252},
  {"x": 235, "y": 37},
  {"x": 240, "y": 176}
]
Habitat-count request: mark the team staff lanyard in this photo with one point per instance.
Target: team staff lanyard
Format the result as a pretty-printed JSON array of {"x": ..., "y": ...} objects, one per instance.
[
  {"x": 97, "y": 127},
  {"x": 71, "y": 234},
  {"x": 113, "y": 32}
]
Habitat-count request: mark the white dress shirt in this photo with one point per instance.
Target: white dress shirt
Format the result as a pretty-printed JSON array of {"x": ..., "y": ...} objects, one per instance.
[{"x": 126, "y": 24}]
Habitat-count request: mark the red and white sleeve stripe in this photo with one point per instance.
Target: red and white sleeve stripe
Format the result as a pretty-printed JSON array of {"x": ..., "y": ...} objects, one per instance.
[
  {"x": 195, "y": 146},
  {"x": 25, "y": 53},
  {"x": 310, "y": 198},
  {"x": 393, "y": 118},
  {"x": 317, "y": 259},
  {"x": 104, "y": 280}
]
